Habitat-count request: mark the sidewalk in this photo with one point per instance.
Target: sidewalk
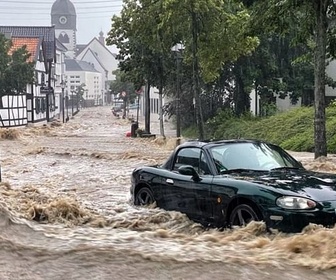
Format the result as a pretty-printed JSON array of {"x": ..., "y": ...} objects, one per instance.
[{"x": 169, "y": 127}]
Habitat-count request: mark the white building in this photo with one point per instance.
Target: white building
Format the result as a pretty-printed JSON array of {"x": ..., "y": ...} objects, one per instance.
[
  {"x": 81, "y": 73},
  {"x": 59, "y": 76},
  {"x": 103, "y": 60},
  {"x": 282, "y": 104},
  {"x": 331, "y": 72},
  {"x": 39, "y": 99}
]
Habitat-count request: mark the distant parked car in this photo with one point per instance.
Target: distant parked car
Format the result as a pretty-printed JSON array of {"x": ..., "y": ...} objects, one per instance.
[
  {"x": 117, "y": 108},
  {"x": 233, "y": 182}
]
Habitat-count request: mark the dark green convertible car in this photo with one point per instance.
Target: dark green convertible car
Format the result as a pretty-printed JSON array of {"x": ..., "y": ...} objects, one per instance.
[{"x": 232, "y": 182}]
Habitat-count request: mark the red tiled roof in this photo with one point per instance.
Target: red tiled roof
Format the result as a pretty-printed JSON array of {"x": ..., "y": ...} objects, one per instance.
[
  {"x": 31, "y": 43},
  {"x": 46, "y": 32}
]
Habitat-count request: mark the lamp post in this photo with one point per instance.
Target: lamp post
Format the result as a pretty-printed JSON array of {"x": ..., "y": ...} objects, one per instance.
[
  {"x": 72, "y": 98},
  {"x": 77, "y": 101},
  {"x": 67, "y": 104},
  {"x": 63, "y": 101},
  {"x": 177, "y": 49},
  {"x": 103, "y": 97}
]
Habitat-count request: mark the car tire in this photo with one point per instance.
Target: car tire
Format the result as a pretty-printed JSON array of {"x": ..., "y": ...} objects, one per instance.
[
  {"x": 243, "y": 214},
  {"x": 144, "y": 197}
]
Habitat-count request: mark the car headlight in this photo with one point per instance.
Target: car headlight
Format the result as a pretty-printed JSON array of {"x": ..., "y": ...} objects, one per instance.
[{"x": 292, "y": 202}]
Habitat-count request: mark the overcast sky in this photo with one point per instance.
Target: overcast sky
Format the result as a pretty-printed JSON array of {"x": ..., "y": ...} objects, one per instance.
[{"x": 93, "y": 16}]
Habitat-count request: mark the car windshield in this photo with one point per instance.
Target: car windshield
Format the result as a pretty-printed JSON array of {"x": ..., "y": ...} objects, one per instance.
[{"x": 251, "y": 156}]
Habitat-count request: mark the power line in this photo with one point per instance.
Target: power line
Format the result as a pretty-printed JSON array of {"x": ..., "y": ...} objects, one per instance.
[
  {"x": 79, "y": 8},
  {"x": 34, "y": 12},
  {"x": 38, "y": 13},
  {"x": 51, "y": 2},
  {"x": 48, "y": 19}
]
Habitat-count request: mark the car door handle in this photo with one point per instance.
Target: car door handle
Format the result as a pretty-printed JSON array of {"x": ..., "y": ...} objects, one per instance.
[{"x": 170, "y": 181}]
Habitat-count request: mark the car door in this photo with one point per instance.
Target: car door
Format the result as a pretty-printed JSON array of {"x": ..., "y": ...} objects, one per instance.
[
  {"x": 182, "y": 192},
  {"x": 178, "y": 192},
  {"x": 202, "y": 191}
]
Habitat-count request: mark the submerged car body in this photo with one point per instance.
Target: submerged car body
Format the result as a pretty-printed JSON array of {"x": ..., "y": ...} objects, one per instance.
[{"x": 232, "y": 182}]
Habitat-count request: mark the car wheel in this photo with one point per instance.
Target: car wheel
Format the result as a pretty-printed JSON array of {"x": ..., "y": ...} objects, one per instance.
[
  {"x": 242, "y": 215},
  {"x": 144, "y": 197}
]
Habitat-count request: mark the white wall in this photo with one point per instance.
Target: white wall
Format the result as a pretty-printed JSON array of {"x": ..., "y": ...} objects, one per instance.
[
  {"x": 254, "y": 102},
  {"x": 59, "y": 77},
  {"x": 331, "y": 72},
  {"x": 92, "y": 81},
  {"x": 94, "y": 87},
  {"x": 281, "y": 104},
  {"x": 104, "y": 55},
  {"x": 14, "y": 111},
  {"x": 154, "y": 103},
  {"x": 285, "y": 104}
]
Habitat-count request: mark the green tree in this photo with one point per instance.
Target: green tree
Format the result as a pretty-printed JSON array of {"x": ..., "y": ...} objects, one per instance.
[
  {"x": 275, "y": 67},
  {"x": 214, "y": 34},
  {"x": 80, "y": 91},
  {"x": 121, "y": 85},
  {"x": 314, "y": 21},
  {"x": 15, "y": 69},
  {"x": 142, "y": 50},
  {"x": 212, "y": 31}
]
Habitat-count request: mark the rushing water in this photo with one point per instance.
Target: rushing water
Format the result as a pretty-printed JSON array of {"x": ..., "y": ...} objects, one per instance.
[{"x": 65, "y": 214}]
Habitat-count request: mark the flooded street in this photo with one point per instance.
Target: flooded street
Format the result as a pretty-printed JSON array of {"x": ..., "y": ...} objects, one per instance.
[{"x": 65, "y": 214}]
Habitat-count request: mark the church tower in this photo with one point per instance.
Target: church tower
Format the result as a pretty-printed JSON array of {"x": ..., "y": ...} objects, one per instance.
[{"x": 63, "y": 16}]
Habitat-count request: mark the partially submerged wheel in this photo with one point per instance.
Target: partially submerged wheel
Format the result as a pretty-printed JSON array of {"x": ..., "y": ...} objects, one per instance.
[
  {"x": 144, "y": 197},
  {"x": 242, "y": 215}
]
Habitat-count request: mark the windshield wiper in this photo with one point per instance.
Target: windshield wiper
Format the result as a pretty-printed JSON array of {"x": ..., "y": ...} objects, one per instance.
[
  {"x": 285, "y": 168},
  {"x": 240, "y": 170}
]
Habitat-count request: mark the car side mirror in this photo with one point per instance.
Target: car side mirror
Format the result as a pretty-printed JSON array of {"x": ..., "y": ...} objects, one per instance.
[{"x": 189, "y": 171}]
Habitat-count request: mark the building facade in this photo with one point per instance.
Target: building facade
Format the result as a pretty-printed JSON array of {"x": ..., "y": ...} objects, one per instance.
[
  {"x": 39, "y": 99},
  {"x": 82, "y": 78},
  {"x": 103, "y": 60}
]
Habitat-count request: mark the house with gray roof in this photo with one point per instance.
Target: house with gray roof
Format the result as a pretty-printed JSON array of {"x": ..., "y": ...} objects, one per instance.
[
  {"x": 41, "y": 44},
  {"x": 82, "y": 75},
  {"x": 103, "y": 60}
]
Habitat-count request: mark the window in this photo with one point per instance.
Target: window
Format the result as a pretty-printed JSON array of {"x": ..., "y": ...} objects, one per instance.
[
  {"x": 154, "y": 105},
  {"x": 194, "y": 157}
]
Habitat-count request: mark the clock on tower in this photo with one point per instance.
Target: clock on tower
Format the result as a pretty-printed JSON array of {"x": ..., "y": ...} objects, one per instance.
[{"x": 63, "y": 19}]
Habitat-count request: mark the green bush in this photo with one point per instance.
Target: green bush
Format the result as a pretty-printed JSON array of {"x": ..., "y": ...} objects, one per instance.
[
  {"x": 292, "y": 130},
  {"x": 303, "y": 142},
  {"x": 190, "y": 132}
]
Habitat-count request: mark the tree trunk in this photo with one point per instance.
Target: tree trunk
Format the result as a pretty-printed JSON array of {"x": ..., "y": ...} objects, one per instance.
[
  {"x": 241, "y": 98},
  {"x": 319, "y": 78},
  {"x": 124, "y": 108},
  {"x": 161, "y": 111},
  {"x": 196, "y": 86},
  {"x": 147, "y": 108}
]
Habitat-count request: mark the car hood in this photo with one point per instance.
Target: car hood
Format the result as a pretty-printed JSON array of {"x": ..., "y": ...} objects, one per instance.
[{"x": 315, "y": 185}]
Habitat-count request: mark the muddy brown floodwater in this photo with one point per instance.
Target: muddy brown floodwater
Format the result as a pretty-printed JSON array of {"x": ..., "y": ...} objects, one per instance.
[{"x": 65, "y": 214}]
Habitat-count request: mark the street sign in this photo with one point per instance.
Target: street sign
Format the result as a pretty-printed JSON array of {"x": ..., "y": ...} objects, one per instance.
[{"x": 46, "y": 90}]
